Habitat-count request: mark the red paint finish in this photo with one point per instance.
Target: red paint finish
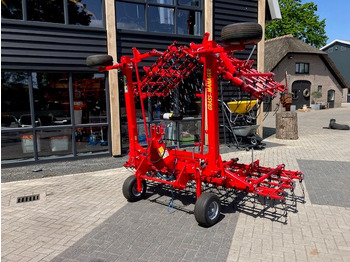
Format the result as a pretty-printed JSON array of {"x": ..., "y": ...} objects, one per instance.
[{"x": 177, "y": 167}]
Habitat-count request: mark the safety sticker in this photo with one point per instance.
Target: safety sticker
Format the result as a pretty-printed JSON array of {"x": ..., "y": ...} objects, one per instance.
[{"x": 162, "y": 153}]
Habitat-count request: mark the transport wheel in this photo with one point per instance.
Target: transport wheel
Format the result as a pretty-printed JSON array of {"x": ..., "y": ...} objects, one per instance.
[
  {"x": 253, "y": 141},
  {"x": 207, "y": 209},
  {"x": 96, "y": 61},
  {"x": 130, "y": 189},
  {"x": 247, "y": 33}
]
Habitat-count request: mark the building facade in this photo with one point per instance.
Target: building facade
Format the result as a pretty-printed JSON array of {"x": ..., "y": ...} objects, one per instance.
[
  {"x": 316, "y": 78},
  {"x": 53, "y": 106},
  {"x": 305, "y": 69},
  {"x": 339, "y": 52}
]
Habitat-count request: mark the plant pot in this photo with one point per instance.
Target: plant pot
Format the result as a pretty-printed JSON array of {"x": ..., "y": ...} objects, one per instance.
[{"x": 315, "y": 106}]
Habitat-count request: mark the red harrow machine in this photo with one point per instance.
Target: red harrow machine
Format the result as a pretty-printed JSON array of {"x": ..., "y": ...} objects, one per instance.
[{"x": 155, "y": 162}]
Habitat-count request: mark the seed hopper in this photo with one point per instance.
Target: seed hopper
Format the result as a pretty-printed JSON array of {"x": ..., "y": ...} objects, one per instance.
[{"x": 176, "y": 167}]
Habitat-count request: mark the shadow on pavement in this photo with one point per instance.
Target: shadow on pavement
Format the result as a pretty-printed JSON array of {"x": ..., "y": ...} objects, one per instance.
[
  {"x": 268, "y": 131},
  {"x": 232, "y": 201}
]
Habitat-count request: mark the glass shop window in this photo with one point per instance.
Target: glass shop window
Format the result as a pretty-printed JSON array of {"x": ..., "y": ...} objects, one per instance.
[
  {"x": 188, "y": 22},
  {"x": 190, "y": 131},
  {"x": 89, "y": 95},
  {"x": 51, "y": 98},
  {"x": 161, "y": 19},
  {"x": 160, "y": 16},
  {"x": 18, "y": 145},
  {"x": 163, "y": 2},
  {"x": 91, "y": 139},
  {"x": 15, "y": 109},
  {"x": 130, "y": 16},
  {"x": 11, "y": 9},
  {"x": 45, "y": 11},
  {"x": 56, "y": 142},
  {"x": 189, "y": 2},
  {"x": 85, "y": 12}
]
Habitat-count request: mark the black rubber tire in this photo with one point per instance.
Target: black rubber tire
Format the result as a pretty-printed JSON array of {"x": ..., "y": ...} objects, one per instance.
[
  {"x": 306, "y": 93},
  {"x": 247, "y": 33},
  {"x": 129, "y": 189},
  {"x": 207, "y": 209},
  {"x": 253, "y": 141},
  {"x": 97, "y": 61}
]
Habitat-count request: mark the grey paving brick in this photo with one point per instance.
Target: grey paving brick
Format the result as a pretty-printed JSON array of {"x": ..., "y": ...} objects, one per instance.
[
  {"x": 156, "y": 236},
  {"x": 84, "y": 217},
  {"x": 327, "y": 181}
]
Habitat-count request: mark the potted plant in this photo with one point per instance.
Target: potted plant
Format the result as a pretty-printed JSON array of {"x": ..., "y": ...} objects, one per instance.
[{"x": 315, "y": 95}]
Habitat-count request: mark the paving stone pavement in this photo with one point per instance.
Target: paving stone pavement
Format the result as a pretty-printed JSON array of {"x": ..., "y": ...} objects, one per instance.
[
  {"x": 149, "y": 231},
  {"x": 84, "y": 217},
  {"x": 327, "y": 182}
]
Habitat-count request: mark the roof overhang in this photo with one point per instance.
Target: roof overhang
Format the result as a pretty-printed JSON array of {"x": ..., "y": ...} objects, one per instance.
[
  {"x": 336, "y": 41},
  {"x": 273, "y": 11},
  {"x": 334, "y": 70}
]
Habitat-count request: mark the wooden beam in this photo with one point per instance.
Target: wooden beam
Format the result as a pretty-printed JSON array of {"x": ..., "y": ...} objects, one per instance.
[
  {"x": 208, "y": 28},
  {"x": 113, "y": 78},
  {"x": 261, "y": 59},
  {"x": 208, "y": 17}
]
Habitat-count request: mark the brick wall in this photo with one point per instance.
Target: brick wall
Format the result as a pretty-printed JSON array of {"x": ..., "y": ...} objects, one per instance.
[{"x": 319, "y": 74}]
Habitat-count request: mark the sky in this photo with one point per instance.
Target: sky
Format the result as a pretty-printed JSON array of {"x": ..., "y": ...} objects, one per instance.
[{"x": 337, "y": 15}]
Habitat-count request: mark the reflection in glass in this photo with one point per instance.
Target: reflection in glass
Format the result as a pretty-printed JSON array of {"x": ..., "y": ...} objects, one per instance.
[
  {"x": 161, "y": 19},
  {"x": 26, "y": 121},
  {"x": 189, "y": 2},
  {"x": 331, "y": 95},
  {"x": 89, "y": 95},
  {"x": 188, "y": 22},
  {"x": 124, "y": 135},
  {"x": 14, "y": 99},
  {"x": 130, "y": 16},
  {"x": 91, "y": 139},
  {"x": 11, "y": 9},
  {"x": 170, "y": 132},
  {"x": 17, "y": 145},
  {"x": 55, "y": 142},
  {"x": 165, "y": 2},
  {"x": 85, "y": 12},
  {"x": 141, "y": 132},
  {"x": 51, "y": 98},
  {"x": 189, "y": 131},
  {"x": 302, "y": 68},
  {"x": 45, "y": 11}
]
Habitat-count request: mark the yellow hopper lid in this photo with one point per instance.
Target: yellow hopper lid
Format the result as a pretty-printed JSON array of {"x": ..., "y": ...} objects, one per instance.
[{"x": 241, "y": 107}]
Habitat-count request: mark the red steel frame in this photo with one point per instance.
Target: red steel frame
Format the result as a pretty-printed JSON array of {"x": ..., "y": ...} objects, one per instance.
[{"x": 177, "y": 167}]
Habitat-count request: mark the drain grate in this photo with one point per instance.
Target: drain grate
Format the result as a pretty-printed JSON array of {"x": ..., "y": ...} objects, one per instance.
[{"x": 24, "y": 199}]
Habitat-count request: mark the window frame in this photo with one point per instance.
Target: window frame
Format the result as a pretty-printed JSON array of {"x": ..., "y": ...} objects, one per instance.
[
  {"x": 176, "y": 7},
  {"x": 66, "y": 18},
  {"x": 35, "y": 130},
  {"x": 304, "y": 71}
]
